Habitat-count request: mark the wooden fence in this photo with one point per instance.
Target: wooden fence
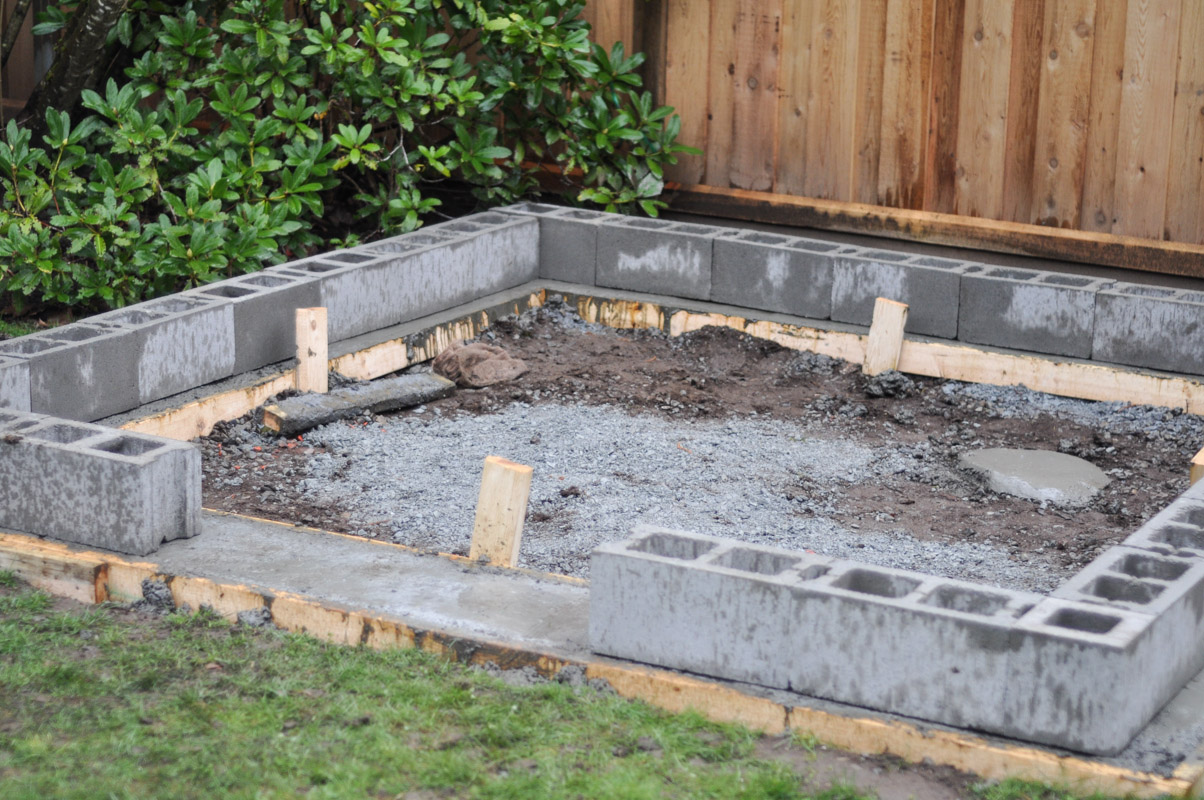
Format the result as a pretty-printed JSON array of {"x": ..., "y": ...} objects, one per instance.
[{"x": 1081, "y": 114}]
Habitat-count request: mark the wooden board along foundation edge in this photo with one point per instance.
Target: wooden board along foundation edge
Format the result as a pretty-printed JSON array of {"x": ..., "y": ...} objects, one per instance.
[{"x": 100, "y": 577}]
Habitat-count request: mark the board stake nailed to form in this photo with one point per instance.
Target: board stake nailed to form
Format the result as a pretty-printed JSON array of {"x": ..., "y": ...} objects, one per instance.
[
  {"x": 886, "y": 337},
  {"x": 311, "y": 350},
  {"x": 501, "y": 510}
]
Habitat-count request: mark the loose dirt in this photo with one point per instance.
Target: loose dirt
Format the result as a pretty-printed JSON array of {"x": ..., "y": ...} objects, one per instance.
[{"x": 718, "y": 374}]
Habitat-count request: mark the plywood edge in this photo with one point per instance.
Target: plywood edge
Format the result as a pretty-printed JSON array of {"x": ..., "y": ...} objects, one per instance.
[{"x": 954, "y": 230}]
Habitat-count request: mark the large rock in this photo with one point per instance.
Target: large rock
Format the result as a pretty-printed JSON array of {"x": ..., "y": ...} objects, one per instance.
[{"x": 1041, "y": 475}]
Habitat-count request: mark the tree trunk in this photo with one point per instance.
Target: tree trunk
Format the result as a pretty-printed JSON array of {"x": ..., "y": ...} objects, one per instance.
[
  {"x": 15, "y": 20},
  {"x": 79, "y": 54}
]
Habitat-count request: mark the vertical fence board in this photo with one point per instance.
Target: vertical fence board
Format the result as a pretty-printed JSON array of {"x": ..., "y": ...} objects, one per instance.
[
  {"x": 905, "y": 95},
  {"x": 1023, "y": 86},
  {"x": 795, "y": 87},
  {"x": 612, "y": 21},
  {"x": 1103, "y": 122},
  {"x": 687, "y": 49},
  {"x": 722, "y": 71},
  {"x": 1063, "y": 114},
  {"x": 983, "y": 108},
  {"x": 755, "y": 94},
  {"x": 1185, "y": 190},
  {"x": 830, "y": 114},
  {"x": 1146, "y": 105},
  {"x": 867, "y": 126},
  {"x": 940, "y": 158}
]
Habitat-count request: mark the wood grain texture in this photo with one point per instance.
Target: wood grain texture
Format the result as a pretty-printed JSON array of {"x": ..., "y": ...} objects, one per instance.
[
  {"x": 983, "y": 108},
  {"x": 794, "y": 90},
  {"x": 830, "y": 114},
  {"x": 1023, "y": 85},
  {"x": 885, "y": 339},
  {"x": 725, "y": 18},
  {"x": 1185, "y": 187},
  {"x": 906, "y": 74},
  {"x": 867, "y": 124},
  {"x": 312, "y": 374},
  {"x": 755, "y": 94},
  {"x": 687, "y": 33},
  {"x": 940, "y": 152},
  {"x": 612, "y": 21},
  {"x": 1146, "y": 109},
  {"x": 1063, "y": 113},
  {"x": 497, "y": 532},
  {"x": 1103, "y": 122}
]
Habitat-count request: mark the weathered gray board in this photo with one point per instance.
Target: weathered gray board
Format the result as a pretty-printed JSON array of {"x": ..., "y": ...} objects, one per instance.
[{"x": 1105, "y": 622}]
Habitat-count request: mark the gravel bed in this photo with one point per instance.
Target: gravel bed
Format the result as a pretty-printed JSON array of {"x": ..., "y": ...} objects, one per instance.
[{"x": 599, "y": 471}]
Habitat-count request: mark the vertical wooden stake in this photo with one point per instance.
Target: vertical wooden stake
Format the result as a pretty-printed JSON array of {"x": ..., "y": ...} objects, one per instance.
[
  {"x": 1197, "y": 467},
  {"x": 501, "y": 511},
  {"x": 311, "y": 350},
  {"x": 886, "y": 336}
]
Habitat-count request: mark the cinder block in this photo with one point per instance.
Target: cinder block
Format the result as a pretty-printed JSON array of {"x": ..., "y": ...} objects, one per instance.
[
  {"x": 568, "y": 240},
  {"x": 774, "y": 273},
  {"x": 1083, "y": 677},
  {"x": 656, "y": 256},
  {"x": 905, "y": 642},
  {"x": 179, "y": 342},
  {"x": 1177, "y": 530},
  {"x": 264, "y": 314},
  {"x": 1150, "y": 326},
  {"x": 1042, "y": 312},
  {"x": 83, "y": 371},
  {"x": 929, "y": 286},
  {"x": 96, "y": 486},
  {"x": 14, "y": 383},
  {"x": 697, "y": 603}
]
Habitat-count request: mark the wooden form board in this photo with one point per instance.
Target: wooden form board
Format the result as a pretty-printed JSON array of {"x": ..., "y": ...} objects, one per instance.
[
  {"x": 96, "y": 577},
  {"x": 497, "y": 531},
  {"x": 1072, "y": 114}
]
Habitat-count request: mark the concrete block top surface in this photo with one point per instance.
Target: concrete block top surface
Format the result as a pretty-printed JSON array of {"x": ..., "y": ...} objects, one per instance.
[
  {"x": 1135, "y": 579},
  {"x": 40, "y": 430}
]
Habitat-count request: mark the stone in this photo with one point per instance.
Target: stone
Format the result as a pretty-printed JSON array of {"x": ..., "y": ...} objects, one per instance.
[{"x": 1041, "y": 475}]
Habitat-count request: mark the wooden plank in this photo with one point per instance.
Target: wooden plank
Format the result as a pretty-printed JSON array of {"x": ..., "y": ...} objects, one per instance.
[
  {"x": 1196, "y": 469},
  {"x": 64, "y": 573},
  {"x": 725, "y": 17},
  {"x": 198, "y": 418},
  {"x": 1103, "y": 124},
  {"x": 1146, "y": 107},
  {"x": 940, "y": 154},
  {"x": 867, "y": 125},
  {"x": 885, "y": 339},
  {"x": 1130, "y": 252},
  {"x": 497, "y": 532},
  {"x": 754, "y": 94},
  {"x": 687, "y": 56},
  {"x": 1063, "y": 114},
  {"x": 905, "y": 96},
  {"x": 830, "y": 114},
  {"x": 1185, "y": 188},
  {"x": 1023, "y": 86},
  {"x": 983, "y": 108},
  {"x": 312, "y": 373},
  {"x": 795, "y": 88},
  {"x": 612, "y": 21}
]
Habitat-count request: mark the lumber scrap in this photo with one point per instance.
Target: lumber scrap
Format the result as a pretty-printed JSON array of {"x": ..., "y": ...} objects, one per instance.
[
  {"x": 312, "y": 349},
  {"x": 295, "y": 415},
  {"x": 501, "y": 510},
  {"x": 886, "y": 337}
]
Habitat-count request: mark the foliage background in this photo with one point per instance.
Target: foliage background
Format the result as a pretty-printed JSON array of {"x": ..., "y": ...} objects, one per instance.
[{"x": 222, "y": 137}]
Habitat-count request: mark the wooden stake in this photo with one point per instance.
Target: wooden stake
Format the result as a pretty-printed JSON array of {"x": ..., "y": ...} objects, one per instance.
[
  {"x": 1197, "y": 467},
  {"x": 886, "y": 336},
  {"x": 501, "y": 511},
  {"x": 311, "y": 350}
]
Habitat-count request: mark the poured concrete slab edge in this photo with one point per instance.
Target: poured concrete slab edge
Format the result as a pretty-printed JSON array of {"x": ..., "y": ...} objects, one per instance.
[{"x": 97, "y": 577}]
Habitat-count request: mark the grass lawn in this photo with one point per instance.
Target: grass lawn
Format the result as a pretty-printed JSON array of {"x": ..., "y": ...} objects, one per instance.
[{"x": 111, "y": 702}]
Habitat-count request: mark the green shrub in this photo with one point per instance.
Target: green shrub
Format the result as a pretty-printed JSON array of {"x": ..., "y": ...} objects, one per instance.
[{"x": 241, "y": 136}]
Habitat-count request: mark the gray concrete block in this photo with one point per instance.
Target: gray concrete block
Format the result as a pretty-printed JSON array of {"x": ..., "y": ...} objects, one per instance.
[
  {"x": 83, "y": 371},
  {"x": 1042, "y": 312},
  {"x": 180, "y": 342},
  {"x": 568, "y": 240},
  {"x": 929, "y": 286},
  {"x": 96, "y": 486},
  {"x": 14, "y": 383},
  {"x": 1150, "y": 326},
  {"x": 656, "y": 256},
  {"x": 773, "y": 273},
  {"x": 1177, "y": 530},
  {"x": 905, "y": 642},
  {"x": 265, "y": 308},
  {"x": 697, "y": 603},
  {"x": 1082, "y": 677}
]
